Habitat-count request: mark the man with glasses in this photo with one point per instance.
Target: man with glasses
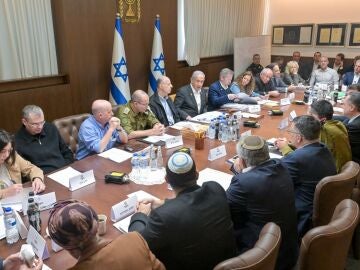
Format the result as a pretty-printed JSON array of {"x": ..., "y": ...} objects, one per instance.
[
  {"x": 40, "y": 142},
  {"x": 137, "y": 119},
  {"x": 100, "y": 131},
  {"x": 307, "y": 165},
  {"x": 264, "y": 85}
]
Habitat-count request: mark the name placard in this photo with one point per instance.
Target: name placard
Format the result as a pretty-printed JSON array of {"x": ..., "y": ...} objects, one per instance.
[
  {"x": 23, "y": 231},
  {"x": 254, "y": 108},
  {"x": 123, "y": 208},
  {"x": 174, "y": 142},
  {"x": 292, "y": 116},
  {"x": 284, "y": 124},
  {"x": 38, "y": 243},
  {"x": 284, "y": 101},
  {"x": 217, "y": 152},
  {"x": 81, "y": 180}
]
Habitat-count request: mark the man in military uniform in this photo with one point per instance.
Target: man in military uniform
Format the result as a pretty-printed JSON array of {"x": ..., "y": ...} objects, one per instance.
[{"x": 137, "y": 119}]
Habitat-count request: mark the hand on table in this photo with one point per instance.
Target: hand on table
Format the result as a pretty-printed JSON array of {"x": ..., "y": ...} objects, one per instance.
[{"x": 38, "y": 185}]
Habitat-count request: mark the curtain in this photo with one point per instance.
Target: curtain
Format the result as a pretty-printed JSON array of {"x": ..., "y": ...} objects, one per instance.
[
  {"x": 211, "y": 26},
  {"x": 27, "y": 43}
]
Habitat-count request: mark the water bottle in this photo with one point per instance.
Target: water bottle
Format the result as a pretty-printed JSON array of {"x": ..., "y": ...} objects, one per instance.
[
  {"x": 225, "y": 132},
  {"x": 12, "y": 234},
  {"x": 8, "y": 213},
  {"x": 153, "y": 159},
  {"x": 211, "y": 130},
  {"x": 159, "y": 160},
  {"x": 34, "y": 214},
  {"x": 221, "y": 128},
  {"x": 217, "y": 123},
  {"x": 143, "y": 162},
  {"x": 135, "y": 166}
]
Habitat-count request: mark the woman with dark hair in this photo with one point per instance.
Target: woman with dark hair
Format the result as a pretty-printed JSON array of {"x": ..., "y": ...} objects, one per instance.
[
  {"x": 244, "y": 86},
  {"x": 13, "y": 167}
]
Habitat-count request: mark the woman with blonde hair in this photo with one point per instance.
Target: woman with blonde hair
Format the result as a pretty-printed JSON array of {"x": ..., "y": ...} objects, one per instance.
[{"x": 291, "y": 75}]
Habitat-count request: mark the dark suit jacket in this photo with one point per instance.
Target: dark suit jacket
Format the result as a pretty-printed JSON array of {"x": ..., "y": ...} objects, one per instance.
[
  {"x": 307, "y": 166},
  {"x": 348, "y": 78},
  {"x": 186, "y": 104},
  {"x": 192, "y": 231},
  {"x": 265, "y": 194},
  {"x": 262, "y": 88},
  {"x": 305, "y": 70},
  {"x": 354, "y": 137},
  {"x": 159, "y": 111},
  {"x": 218, "y": 96}
]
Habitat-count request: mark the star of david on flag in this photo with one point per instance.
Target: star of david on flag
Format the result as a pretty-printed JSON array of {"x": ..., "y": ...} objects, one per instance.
[
  {"x": 157, "y": 62},
  {"x": 119, "y": 88}
]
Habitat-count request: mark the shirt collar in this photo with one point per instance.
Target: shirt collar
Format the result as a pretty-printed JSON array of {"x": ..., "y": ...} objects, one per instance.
[
  {"x": 223, "y": 85},
  {"x": 194, "y": 90},
  {"x": 353, "y": 118}
]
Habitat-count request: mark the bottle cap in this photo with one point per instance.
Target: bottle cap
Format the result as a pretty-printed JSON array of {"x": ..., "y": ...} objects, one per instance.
[
  {"x": 7, "y": 209},
  {"x": 31, "y": 194},
  {"x": 30, "y": 200}
]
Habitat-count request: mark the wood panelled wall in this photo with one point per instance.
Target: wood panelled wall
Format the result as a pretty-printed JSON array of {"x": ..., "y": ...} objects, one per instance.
[{"x": 84, "y": 33}]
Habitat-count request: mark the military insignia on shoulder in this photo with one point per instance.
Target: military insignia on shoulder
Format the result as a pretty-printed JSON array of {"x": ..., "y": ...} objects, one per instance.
[{"x": 126, "y": 110}]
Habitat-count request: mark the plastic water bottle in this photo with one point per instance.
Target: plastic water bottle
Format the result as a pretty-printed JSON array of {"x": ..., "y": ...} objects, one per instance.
[
  {"x": 153, "y": 159},
  {"x": 8, "y": 213},
  {"x": 143, "y": 162},
  {"x": 159, "y": 159},
  {"x": 211, "y": 130},
  {"x": 12, "y": 234},
  {"x": 34, "y": 214},
  {"x": 135, "y": 166}
]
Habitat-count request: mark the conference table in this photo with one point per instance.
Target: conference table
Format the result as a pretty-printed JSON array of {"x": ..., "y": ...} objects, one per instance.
[{"x": 102, "y": 196}]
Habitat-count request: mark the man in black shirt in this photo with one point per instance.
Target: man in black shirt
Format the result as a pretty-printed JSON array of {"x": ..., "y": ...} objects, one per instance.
[
  {"x": 40, "y": 142},
  {"x": 255, "y": 66},
  {"x": 264, "y": 85}
]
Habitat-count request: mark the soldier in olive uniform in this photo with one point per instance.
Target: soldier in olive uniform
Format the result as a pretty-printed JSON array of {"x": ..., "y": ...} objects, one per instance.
[{"x": 137, "y": 119}]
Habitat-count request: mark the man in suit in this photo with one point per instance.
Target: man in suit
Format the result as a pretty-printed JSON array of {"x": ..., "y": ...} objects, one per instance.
[
  {"x": 219, "y": 91},
  {"x": 192, "y": 231},
  {"x": 304, "y": 69},
  {"x": 190, "y": 99},
  {"x": 259, "y": 193},
  {"x": 353, "y": 77},
  {"x": 264, "y": 85},
  {"x": 40, "y": 142},
  {"x": 352, "y": 123},
  {"x": 307, "y": 165},
  {"x": 161, "y": 105}
]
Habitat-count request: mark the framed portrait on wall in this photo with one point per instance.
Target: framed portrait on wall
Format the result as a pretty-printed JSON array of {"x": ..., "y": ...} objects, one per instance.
[
  {"x": 331, "y": 34},
  {"x": 300, "y": 34},
  {"x": 354, "y": 39}
]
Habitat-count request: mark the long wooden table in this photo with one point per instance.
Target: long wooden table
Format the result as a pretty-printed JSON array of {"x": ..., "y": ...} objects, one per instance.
[{"x": 102, "y": 196}]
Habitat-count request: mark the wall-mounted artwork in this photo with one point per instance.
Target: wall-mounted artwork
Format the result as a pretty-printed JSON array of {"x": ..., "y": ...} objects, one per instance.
[
  {"x": 331, "y": 34},
  {"x": 292, "y": 34}
]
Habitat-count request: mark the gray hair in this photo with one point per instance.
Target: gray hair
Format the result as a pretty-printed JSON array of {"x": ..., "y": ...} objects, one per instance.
[
  {"x": 226, "y": 71},
  {"x": 354, "y": 99},
  {"x": 265, "y": 70},
  {"x": 197, "y": 73},
  {"x": 308, "y": 127},
  {"x": 31, "y": 109},
  {"x": 138, "y": 95},
  {"x": 254, "y": 156}
]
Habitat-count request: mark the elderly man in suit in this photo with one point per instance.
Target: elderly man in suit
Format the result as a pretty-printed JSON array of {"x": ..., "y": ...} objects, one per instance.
[
  {"x": 307, "y": 165},
  {"x": 190, "y": 99},
  {"x": 353, "y": 77},
  {"x": 191, "y": 231},
  {"x": 352, "y": 123},
  {"x": 259, "y": 193}
]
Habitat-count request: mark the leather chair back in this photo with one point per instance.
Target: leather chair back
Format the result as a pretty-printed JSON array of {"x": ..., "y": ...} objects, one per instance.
[
  {"x": 331, "y": 190},
  {"x": 262, "y": 257},
  {"x": 326, "y": 247},
  {"x": 356, "y": 238},
  {"x": 69, "y": 128}
]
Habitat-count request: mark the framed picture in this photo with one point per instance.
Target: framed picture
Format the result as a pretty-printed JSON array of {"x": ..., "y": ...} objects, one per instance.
[
  {"x": 354, "y": 39},
  {"x": 331, "y": 34},
  {"x": 292, "y": 34}
]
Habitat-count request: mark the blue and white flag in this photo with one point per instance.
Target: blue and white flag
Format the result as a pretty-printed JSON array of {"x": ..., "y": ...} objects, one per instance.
[
  {"x": 119, "y": 89},
  {"x": 157, "y": 63}
]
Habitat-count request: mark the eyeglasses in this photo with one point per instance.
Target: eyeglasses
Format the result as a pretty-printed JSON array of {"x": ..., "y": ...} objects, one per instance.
[
  {"x": 293, "y": 131},
  {"x": 39, "y": 124},
  {"x": 143, "y": 104}
]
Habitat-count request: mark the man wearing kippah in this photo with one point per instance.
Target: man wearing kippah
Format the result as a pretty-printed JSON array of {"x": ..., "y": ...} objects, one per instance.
[
  {"x": 262, "y": 192},
  {"x": 193, "y": 230}
]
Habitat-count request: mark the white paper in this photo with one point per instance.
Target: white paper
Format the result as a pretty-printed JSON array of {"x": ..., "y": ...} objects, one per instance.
[
  {"x": 45, "y": 267},
  {"x": 250, "y": 115},
  {"x": 236, "y": 106},
  {"x": 284, "y": 101},
  {"x": 254, "y": 108},
  {"x": 272, "y": 155},
  {"x": 292, "y": 115},
  {"x": 81, "y": 180},
  {"x": 291, "y": 96},
  {"x": 149, "y": 177},
  {"x": 123, "y": 225},
  {"x": 63, "y": 176},
  {"x": 116, "y": 155},
  {"x": 190, "y": 125},
  {"x": 155, "y": 139},
  {"x": 38, "y": 243},
  {"x": 206, "y": 175},
  {"x": 123, "y": 208},
  {"x": 141, "y": 195},
  {"x": 217, "y": 152},
  {"x": 2, "y": 227},
  {"x": 206, "y": 117},
  {"x": 23, "y": 231}
]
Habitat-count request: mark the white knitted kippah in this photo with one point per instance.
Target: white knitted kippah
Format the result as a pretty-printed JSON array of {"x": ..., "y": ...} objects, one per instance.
[{"x": 180, "y": 163}]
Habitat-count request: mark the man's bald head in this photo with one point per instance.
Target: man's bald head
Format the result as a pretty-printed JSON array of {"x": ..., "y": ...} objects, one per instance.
[
  {"x": 100, "y": 106},
  {"x": 138, "y": 96}
]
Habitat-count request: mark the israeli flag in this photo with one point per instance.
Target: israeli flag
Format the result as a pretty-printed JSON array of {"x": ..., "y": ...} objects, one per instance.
[
  {"x": 119, "y": 89},
  {"x": 157, "y": 63}
]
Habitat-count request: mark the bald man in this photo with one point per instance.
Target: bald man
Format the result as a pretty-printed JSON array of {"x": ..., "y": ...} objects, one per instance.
[
  {"x": 137, "y": 119},
  {"x": 324, "y": 74},
  {"x": 100, "y": 131}
]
